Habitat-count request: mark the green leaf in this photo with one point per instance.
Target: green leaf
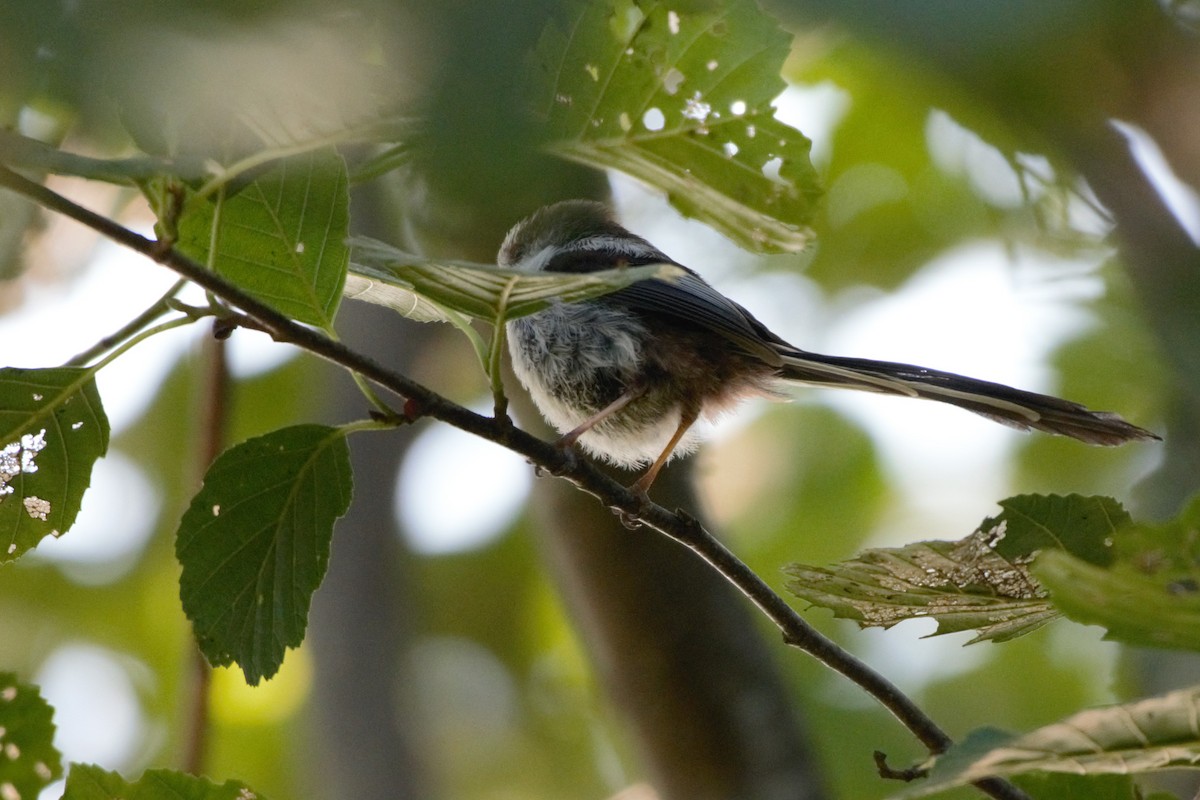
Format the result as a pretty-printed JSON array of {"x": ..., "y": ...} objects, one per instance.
[
  {"x": 1082, "y": 526},
  {"x": 281, "y": 237},
  {"x": 1143, "y": 736},
  {"x": 1079, "y": 787},
  {"x": 254, "y": 544},
  {"x": 89, "y": 782},
  {"x": 52, "y": 430},
  {"x": 980, "y": 583},
  {"x": 679, "y": 95},
  {"x": 1146, "y": 610},
  {"x": 1149, "y": 595},
  {"x": 429, "y": 291},
  {"x": 28, "y": 760}
]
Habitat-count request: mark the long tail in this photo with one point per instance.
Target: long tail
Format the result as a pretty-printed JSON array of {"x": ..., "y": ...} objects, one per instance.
[{"x": 1003, "y": 404}]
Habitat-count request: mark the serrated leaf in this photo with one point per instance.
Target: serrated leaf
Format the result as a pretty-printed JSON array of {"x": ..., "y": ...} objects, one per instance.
[
  {"x": 1143, "y": 736},
  {"x": 281, "y": 237},
  {"x": 28, "y": 759},
  {"x": 52, "y": 430},
  {"x": 1082, "y": 526},
  {"x": 679, "y": 96},
  {"x": 982, "y": 582},
  {"x": 962, "y": 585},
  {"x": 427, "y": 290},
  {"x": 89, "y": 782},
  {"x": 254, "y": 544}
]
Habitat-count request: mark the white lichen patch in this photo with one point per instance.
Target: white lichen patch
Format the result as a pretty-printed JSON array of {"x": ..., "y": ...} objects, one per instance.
[
  {"x": 42, "y": 770},
  {"x": 712, "y": 65},
  {"x": 37, "y": 398},
  {"x": 625, "y": 122},
  {"x": 216, "y": 510},
  {"x": 730, "y": 148},
  {"x": 76, "y": 425},
  {"x": 36, "y": 507},
  {"x": 11, "y": 751},
  {"x": 653, "y": 119},
  {"x": 246, "y": 794},
  {"x": 9, "y": 792},
  {"x": 299, "y": 247},
  {"x": 695, "y": 108},
  {"x": 737, "y": 107},
  {"x": 592, "y": 70},
  {"x": 20, "y": 457},
  {"x": 8, "y": 694},
  {"x": 673, "y": 22}
]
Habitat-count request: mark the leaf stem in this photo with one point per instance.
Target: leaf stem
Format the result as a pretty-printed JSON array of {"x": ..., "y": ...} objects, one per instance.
[
  {"x": 129, "y": 343},
  {"x": 546, "y": 456},
  {"x": 496, "y": 352}
]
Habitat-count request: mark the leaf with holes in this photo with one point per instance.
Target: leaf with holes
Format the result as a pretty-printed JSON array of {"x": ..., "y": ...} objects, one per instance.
[
  {"x": 28, "y": 759},
  {"x": 52, "y": 430},
  {"x": 429, "y": 291},
  {"x": 281, "y": 237},
  {"x": 679, "y": 96},
  {"x": 89, "y": 782},
  {"x": 1143, "y": 736},
  {"x": 981, "y": 583},
  {"x": 962, "y": 585},
  {"x": 254, "y": 544}
]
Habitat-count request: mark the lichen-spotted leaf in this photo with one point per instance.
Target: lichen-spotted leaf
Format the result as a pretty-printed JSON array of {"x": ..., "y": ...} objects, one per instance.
[
  {"x": 28, "y": 759},
  {"x": 254, "y": 544},
  {"x": 981, "y": 582},
  {"x": 281, "y": 237},
  {"x": 52, "y": 430},
  {"x": 89, "y": 782},
  {"x": 679, "y": 96}
]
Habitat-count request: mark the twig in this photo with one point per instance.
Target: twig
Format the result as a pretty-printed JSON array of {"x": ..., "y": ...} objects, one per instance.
[
  {"x": 889, "y": 774},
  {"x": 545, "y": 456}
]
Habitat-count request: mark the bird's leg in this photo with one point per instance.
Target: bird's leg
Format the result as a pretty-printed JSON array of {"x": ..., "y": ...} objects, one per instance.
[
  {"x": 571, "y": 437},
  {"x": 641, "y": 486}
]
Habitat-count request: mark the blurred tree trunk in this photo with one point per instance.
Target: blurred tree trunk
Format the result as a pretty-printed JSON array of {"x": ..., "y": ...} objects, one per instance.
[
  {"x": 679, "y": 651},
  {"x": 363, "y": 618}
]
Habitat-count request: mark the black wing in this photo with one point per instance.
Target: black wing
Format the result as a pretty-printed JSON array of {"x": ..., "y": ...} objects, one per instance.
[{"x": 689, "y": 299}]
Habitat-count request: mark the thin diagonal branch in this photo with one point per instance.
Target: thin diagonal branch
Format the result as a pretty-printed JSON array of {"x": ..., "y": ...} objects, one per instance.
[{"x": 422, "y": 401}]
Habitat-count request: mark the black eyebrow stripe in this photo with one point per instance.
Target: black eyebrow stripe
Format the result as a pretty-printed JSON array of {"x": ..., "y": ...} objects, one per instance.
[{"x": 593, "y": 260}]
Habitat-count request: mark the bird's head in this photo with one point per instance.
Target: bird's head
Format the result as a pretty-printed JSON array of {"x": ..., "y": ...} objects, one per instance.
[{"x": 573, "y": 236}]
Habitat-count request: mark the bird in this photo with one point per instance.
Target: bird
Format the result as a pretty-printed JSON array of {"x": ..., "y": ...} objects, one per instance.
[{"x": 626, "y": 375}]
